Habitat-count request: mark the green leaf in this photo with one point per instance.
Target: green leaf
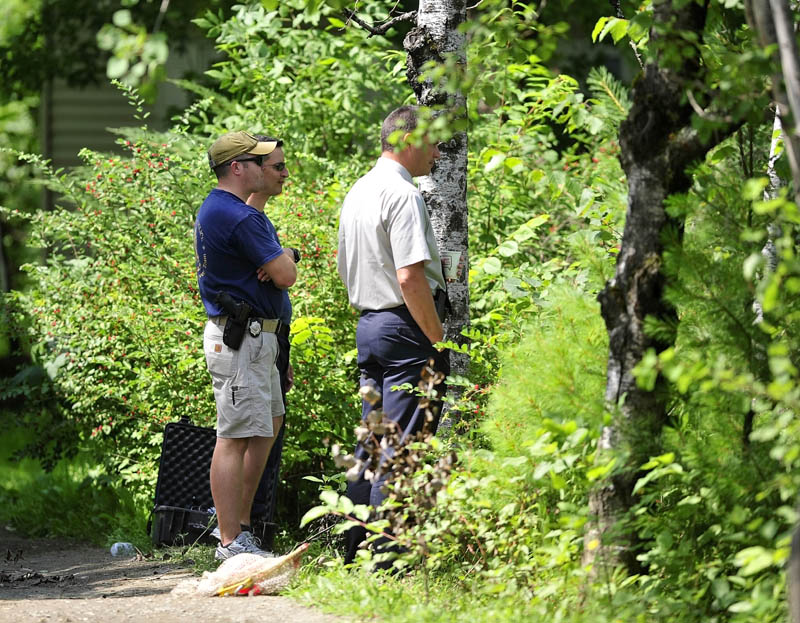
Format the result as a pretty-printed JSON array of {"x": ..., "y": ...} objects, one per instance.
[
  {"x": 741, "y": 606},
  {"x": 117, "y": 67},
  {"x": 771, "y": 294},
  {"x": 538, "y": 220},
  {"x": 542, "y": 470},
  {"x": 754, "y": 188},
  {"x": 598, "y": 27},
  {"x": 514, "y": 164},
  {"x": 618, "y": 28},
  {"x": 557, "y": 481},
  {"x": 345, "y": 505},
  {"x": 721, "y": 153},
  {"x": 600, "y": 471},
  {"x": 329, "y": 497},
  {"x": 122, "y": 18},
  {"x": 508, "y": 248},
  {"x": 640, "y": 26},
  {"x": 492, "y": 266},
  {"x": 663, "y": 459},
  {"x": 362, "y": 512},
  {"x": 752, "y": 560},
  {"x": 614, "y": 25},
  {"x": 314, "y": 513},
  {"x": 752, "y": 264},
  {"x": 495, "y": 162}
]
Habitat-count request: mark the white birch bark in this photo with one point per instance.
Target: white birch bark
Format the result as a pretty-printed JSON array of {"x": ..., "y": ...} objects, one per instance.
[
  {"x": 435, "y": 38},
  {"x": 772, "y": 21},
  {"x": 769, "y": 252}
]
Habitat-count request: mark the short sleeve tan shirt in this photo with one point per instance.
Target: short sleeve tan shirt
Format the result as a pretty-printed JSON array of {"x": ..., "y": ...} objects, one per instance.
[{"x": 384, "y": 225}]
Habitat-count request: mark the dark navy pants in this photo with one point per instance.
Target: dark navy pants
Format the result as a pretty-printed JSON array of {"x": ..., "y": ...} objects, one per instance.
[
  {"x": 392, "y": 350},
  {"x": 264, "y": 500}
]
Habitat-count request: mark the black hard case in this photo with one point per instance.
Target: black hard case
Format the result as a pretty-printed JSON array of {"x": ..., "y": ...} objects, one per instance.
[{"x": 183, "y": 491}]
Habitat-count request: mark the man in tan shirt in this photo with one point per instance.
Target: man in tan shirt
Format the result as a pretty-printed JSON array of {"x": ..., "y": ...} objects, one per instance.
[{"x": 390, "y": 264}]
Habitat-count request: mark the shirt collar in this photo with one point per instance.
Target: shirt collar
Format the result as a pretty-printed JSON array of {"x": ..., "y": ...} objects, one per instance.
[{"x": 393, "y": 165}]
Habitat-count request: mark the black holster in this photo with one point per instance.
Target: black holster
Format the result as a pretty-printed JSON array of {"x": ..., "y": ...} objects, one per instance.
[
  {"x": 236, "y": 325},
  {"x": 442, "y": 304}
]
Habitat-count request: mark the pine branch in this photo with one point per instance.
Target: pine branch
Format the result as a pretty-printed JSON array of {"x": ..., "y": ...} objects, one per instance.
[{"x": 601, "y": 80}]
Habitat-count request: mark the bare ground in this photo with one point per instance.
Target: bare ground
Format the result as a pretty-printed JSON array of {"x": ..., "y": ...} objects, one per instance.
[{"x": 46, "y": 581}]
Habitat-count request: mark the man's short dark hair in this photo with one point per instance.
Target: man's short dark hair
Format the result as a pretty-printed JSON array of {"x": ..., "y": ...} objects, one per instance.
[
  {"x": 222, "y": 170},
  {"x": 404, "y": 119},
  {"x": 263, "y": 138}
]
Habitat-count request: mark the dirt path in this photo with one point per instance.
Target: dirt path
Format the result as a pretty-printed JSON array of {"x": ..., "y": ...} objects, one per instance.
[{"x": 46, "y": 581}]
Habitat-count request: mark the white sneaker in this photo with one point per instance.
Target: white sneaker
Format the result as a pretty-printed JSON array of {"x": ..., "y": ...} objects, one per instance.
[
  {"x": 216, "y": 534},
  {"x": 244, "y": 543}
]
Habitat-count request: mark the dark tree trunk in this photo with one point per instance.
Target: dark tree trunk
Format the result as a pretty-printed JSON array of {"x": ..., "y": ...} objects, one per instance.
[
  {"x": 658, "y": 143},
  {"x": 5, "y": 273}
]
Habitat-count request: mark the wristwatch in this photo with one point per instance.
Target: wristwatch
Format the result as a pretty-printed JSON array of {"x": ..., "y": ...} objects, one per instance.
[{"x": 296, "y": 255}]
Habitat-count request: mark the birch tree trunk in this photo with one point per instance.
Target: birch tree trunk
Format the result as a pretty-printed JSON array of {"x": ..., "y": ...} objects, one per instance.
[
  {"x": 657, "y": 143},
  {"x": 769, "y": 252},
  {"x": 436, "y": 37},
  {"x": 772, "y": 21}
]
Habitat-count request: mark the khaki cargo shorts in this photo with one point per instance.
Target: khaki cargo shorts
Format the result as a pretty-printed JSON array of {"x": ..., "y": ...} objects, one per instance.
[{"x": 247, "y": 386}]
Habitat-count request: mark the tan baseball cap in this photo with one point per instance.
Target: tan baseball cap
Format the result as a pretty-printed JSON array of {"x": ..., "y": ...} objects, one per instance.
[{"x": 233, "y": 144}]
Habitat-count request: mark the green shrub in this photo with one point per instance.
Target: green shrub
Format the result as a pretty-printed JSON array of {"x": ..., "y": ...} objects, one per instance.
[
  {"x": 114, "y": 319},
  {"x": 555, "y": 373}
]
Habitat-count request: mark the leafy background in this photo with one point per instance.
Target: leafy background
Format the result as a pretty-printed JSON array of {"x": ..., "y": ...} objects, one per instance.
[{"x": 104, "y": 318}]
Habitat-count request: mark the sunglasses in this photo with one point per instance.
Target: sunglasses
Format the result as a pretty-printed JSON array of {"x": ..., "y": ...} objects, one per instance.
[{"x": 278, "y": 166}]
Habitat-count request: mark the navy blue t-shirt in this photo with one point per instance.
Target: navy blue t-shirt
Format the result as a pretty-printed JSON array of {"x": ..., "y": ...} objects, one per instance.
[{"x": 231, "y": 240}]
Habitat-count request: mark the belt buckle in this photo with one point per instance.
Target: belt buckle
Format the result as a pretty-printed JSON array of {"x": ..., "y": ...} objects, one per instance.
[{"x": 255, "y": 328}]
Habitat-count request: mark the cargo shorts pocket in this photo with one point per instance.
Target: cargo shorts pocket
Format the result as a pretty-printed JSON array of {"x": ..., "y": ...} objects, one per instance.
[{"x": 219, "y": 358}]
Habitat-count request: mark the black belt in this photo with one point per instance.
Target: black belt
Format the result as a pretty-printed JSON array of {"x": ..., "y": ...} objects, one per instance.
[
  {"x": 440, "y": 301},
  {"x": 257, "y": 325}
]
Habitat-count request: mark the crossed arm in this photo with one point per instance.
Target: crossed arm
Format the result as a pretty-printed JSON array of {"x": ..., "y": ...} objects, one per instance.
[{"x": 282, "y": 271}]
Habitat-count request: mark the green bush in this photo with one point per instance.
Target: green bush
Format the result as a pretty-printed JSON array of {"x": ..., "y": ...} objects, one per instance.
[
  {"x": 555, "y": 373},
  {"x": 114, "y": 319}
]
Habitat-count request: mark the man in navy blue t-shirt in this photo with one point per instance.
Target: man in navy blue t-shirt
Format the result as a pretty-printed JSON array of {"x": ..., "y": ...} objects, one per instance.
[{"x": 238, "y": 254}]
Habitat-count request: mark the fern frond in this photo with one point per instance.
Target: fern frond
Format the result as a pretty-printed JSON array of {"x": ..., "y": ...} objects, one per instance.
[{"x": 610, "y": 95}]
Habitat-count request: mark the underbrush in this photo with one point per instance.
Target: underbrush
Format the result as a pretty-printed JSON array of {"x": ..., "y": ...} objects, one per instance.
[
  {"x": 392, "y": 599},
  {"x": 710, "y": 521},
  {"x": 75, "y": 500}
]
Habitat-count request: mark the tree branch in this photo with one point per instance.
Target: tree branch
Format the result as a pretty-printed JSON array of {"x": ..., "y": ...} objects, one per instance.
[
  {"x": 704, "y": 114},
  {"x": 383, "y": 28}
]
